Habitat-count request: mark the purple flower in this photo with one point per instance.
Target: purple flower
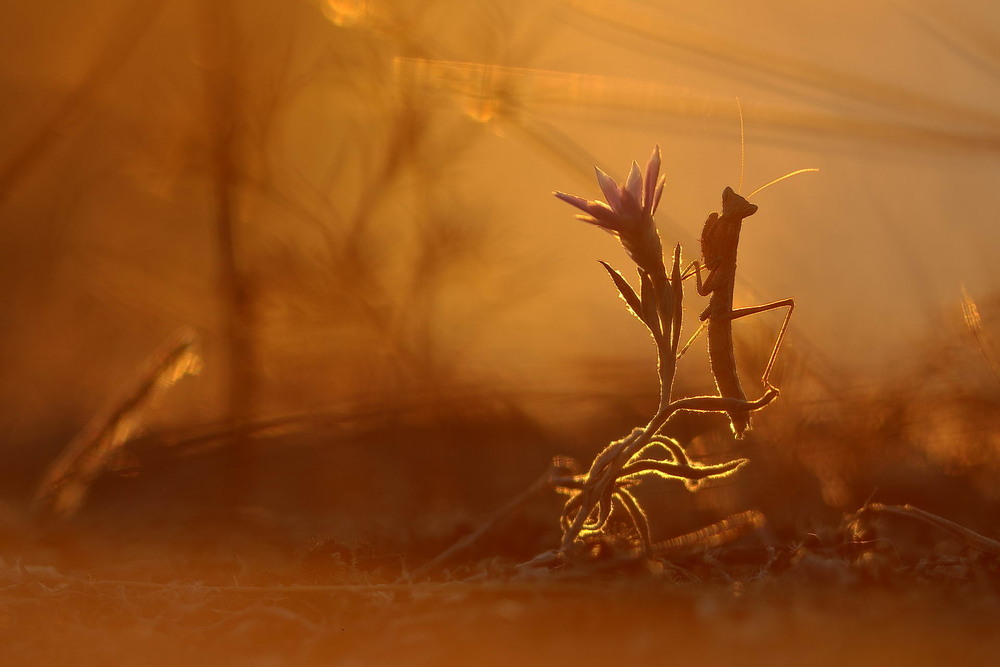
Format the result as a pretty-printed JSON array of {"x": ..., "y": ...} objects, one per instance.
[{"x": 628, "y": 213}]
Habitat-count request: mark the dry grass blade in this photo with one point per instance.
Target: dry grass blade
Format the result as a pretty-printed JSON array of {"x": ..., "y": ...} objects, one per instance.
[
  {"x": 536, "y": 92},
  {"x": 64, "y": 485},
  {"x": 752, "y": 60},
  {"x": 966, "y": 38},
  {"x": 488, "y": 523},
  {"x": 974, "y": 322}
]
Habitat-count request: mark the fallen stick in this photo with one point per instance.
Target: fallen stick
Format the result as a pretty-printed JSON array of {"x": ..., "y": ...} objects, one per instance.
[{"x": 961, "y": 533}]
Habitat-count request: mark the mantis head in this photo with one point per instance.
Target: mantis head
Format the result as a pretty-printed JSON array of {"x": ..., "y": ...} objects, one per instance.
[
  {"x": 721, "y": 233},
  {"x": 735, "y": 206}
]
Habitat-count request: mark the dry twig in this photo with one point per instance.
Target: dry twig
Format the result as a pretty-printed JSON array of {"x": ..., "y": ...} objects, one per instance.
[
  {"x": 961, "y": 533},
  {"x": 65, "y": 483}
]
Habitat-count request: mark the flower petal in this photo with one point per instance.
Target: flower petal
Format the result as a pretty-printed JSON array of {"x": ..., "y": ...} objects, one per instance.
[
  {"x": 606, "y": 226},
  {"x": 595, "y": 209},
  {"x": 609, "y": 188},
  {"x": 603, "y": 212},
  {"x": 633, "y": 185},
  {"x": 649, "y": 182},
  {"x": 657, "y": 195},
  {"x": 572, "y": 200}
]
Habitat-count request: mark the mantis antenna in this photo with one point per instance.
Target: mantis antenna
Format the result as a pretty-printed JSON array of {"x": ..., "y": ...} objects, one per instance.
[
  {"x": 781, "y": 178},
  {"x": 743, "y": 146},
  {"x": 743, "y": 156}
]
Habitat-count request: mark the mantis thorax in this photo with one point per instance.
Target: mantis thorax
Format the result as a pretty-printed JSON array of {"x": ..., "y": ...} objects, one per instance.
[{"x": 721, "y": 234}]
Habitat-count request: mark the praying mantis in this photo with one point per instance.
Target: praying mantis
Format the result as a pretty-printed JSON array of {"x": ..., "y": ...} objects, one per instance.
[{"x": 720, "y": 239}]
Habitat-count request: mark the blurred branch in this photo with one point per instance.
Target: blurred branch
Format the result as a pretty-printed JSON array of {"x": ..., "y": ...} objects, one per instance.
[
  {"x": 119, "y": 48},
  {"x": 225, "y": 105}
]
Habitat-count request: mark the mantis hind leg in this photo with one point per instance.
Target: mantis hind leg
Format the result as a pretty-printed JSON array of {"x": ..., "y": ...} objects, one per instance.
[{"x": 753, "y": 310}]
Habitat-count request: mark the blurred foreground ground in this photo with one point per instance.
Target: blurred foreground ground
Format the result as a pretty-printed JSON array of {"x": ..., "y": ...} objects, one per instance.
[
  {"x": 199, "y": 605},
  {"x": 158, "y": 567}
]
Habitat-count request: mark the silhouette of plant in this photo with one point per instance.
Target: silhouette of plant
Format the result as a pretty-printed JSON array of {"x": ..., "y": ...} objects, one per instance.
[{"x": 609, "y": 482}]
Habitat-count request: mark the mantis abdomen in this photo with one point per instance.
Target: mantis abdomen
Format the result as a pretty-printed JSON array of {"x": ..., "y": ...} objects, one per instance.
[{"x": 727, "y": 379}]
